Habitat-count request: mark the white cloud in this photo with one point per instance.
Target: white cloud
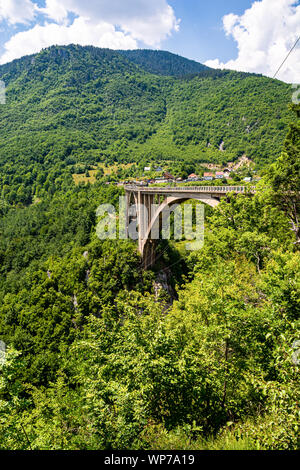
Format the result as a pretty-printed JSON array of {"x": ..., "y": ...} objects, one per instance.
[
  {"x": 148, "y": 21},
  {"x": 80, "y": 32},
  {"x": 116, "y": 24},
  {"x": 55, "y": 10},
  {"x": 265, "y": 34},
  {"x": 17, "y": 11}
]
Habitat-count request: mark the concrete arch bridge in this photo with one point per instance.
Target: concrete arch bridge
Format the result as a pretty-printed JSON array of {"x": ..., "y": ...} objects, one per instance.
[{"x": 150, "y": 202}]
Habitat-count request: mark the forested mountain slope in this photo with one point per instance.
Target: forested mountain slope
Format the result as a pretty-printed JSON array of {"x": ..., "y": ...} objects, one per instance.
[
  {"x": 73, "y": 104},
  {"x": 163, "y": 62}
]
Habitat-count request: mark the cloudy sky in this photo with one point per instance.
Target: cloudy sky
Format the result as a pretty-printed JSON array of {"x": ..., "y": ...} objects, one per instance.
[{"x": 246, "y": 35}]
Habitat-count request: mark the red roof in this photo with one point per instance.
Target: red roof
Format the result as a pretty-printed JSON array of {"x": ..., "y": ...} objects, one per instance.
[{"x": 168, "y": 175}]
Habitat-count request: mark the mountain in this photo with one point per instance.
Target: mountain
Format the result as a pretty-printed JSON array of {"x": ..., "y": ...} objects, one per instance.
[
  {"x": 163, "y": 62},
  {"x": 73, "y": 105}
]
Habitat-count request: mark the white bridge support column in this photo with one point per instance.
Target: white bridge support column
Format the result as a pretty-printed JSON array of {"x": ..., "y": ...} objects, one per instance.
[
  {"x": 144, "y": 213},
  {"x": 127, "y": 202}
]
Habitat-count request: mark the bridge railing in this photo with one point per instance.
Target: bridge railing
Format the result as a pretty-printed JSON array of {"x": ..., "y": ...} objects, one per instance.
[{"x": 201, "y": 189}]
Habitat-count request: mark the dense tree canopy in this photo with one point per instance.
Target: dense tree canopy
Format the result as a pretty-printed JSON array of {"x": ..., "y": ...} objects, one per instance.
[{"x": 284, "y": 177}]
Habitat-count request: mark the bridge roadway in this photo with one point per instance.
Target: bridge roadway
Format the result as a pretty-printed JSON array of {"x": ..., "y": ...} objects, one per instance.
[{"x": 191, "y": 189}]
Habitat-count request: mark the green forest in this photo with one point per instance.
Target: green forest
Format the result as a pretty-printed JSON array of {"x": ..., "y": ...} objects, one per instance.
[{"x": 99, "y": 355}]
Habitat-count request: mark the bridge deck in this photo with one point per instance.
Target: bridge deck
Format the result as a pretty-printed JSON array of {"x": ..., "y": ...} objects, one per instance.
[{"x": 192, "y": 189}]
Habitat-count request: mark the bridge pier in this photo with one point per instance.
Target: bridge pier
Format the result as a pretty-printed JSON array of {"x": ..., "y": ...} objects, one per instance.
[
  {"x": 149, "y": 254},
  {"x": 145, "y": 205}
]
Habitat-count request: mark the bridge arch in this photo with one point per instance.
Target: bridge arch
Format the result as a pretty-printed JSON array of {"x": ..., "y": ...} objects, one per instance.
[
  {"x": 145, "y": 197},
  {"x": 169, "y": 201}
]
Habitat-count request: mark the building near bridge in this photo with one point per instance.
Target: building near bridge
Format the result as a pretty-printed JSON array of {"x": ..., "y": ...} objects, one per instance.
[
  {"x": 208, "y": 176},
  {"x": 193, "y": 177},
  {"x": 168, "y": 176}
]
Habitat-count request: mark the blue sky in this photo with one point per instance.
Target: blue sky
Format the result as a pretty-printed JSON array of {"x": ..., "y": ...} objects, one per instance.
[
  {"x": 246, "y": 35},
  {"x": 201, "y": 36}
]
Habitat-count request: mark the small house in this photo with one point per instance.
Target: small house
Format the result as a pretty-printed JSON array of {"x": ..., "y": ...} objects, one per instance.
[
  {"x": 168, "y": 176},
  {"x": 193, "y": 177},
  {"x": 208, "y": 176}
]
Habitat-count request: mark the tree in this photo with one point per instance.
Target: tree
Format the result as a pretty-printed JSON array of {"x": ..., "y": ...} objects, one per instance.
[{"x": 284, "y": 177}]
